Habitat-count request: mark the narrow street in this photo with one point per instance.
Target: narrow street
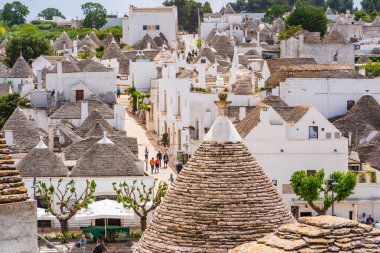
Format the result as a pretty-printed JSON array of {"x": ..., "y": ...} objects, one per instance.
[{"x": 144, "y": 140}]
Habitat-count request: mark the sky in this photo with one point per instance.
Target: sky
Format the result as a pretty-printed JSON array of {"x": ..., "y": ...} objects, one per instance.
[{"x": 72, "y": 8}]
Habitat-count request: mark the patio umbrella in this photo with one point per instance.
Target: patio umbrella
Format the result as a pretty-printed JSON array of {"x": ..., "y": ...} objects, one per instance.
[
  {"x": 43, "y": 215},
  {"x": 105, "y": 209}
]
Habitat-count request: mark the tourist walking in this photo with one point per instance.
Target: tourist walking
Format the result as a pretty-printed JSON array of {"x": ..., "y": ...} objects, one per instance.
[
  {"x": 157, "y": 165},
  {"x": 152, "y": 163},
  {"x": 370, "y": 220},
  {"x": 82, "y": 244},
  {"x": 118, "y": 92},
  {"x": 178, "y": 167},
  {"x": 166, "y": 160},
  {"x": 159, "y": 157}
]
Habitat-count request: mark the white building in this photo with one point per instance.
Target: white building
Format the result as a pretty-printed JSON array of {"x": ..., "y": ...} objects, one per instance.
[
  {"x": 77, "y": 81},
  {"x": 285, "y": 140},
  {"x": 151, "y": 21},
  {"x": 330, "y": 88},
  {"x": 183, "y": 111}
]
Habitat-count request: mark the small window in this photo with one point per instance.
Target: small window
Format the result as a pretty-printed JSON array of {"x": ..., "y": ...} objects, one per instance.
[
  {"x": 337, "y": 135},
  {"x": 145, "y": 27},
  {"x": 274, "y": 182},
  {"x": 328, "y": 135},
  {"x": 44, "y": 223},
  {"x": 310, "y": 172},
  {"x": 157, "y": 27},
  {"x": 322, "y": 129},
  {"x": 203, "y": 60},
  {"x": 41, "y": 203},
  {"x": 313, "y": 132}
]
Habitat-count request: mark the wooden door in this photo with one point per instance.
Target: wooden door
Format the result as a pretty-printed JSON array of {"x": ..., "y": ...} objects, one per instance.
[{"x": 79, "y": 95}]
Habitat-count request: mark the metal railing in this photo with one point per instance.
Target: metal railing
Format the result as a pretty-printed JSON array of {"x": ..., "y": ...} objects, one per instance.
[{"x": 50, "y": 244}]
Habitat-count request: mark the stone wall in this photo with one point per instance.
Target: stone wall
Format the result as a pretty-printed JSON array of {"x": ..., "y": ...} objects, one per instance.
[{"x": 18, "y": 227}]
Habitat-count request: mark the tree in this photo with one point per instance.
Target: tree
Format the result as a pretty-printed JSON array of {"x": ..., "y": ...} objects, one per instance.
[
  {"x": 9, "y": 103},
  {"x": 239, "y": 5},
  {"x": 137, "y": 99},
  {"x": 187, "y": 13},
  {"x": 137, "y": 196},
  {"x": 310, "y": 187},
  {"x": 277, "y": 11},
  {"x": 370, "y": 5},
  {"x": 63, "y": 201},
  {"x": 372, "y": 68},
  {"x": 310, "y": 18},
  {"x": 207, "y": 7},
  {"x": 341, "y": 5},
  {"x": 290, "y": 31},
  {"x": 95, "y": 15},
  {"x": 14, "y": 13},
  {"x": 360, "y": 14},
  {"x": 49, "y": 13},
  {"x": 30, "y": 41}
]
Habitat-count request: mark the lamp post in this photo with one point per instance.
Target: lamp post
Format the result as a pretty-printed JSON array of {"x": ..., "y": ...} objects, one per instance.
[
  {"x": 333, "y": 183},
  {"x": 34, "y": 186}
]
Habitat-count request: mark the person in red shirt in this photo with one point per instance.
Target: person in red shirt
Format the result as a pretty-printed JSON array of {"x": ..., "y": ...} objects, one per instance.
[{"x": 157, "y": 165}]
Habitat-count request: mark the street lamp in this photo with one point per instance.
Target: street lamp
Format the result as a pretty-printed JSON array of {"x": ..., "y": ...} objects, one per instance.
[
  {"x": 34, "y": 186},
  {"x": 333, "y": 183}
]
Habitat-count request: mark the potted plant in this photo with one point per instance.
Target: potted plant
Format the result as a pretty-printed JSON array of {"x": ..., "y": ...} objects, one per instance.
[
  {"x": 362, "y": 177},
  {"x": 165, "y": 139},
  {"x": 372, "y": 176}
]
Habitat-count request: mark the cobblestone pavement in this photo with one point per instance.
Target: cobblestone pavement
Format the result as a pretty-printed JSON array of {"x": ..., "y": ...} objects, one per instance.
[
  {"x": 144, "y": 140},
  {"x": 70, "y": 248}
]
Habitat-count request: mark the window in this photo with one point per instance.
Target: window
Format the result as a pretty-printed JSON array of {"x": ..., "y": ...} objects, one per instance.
[
  {"x": 151, "y": 27},
  {"x": 274, "y": 182},
  {"x": 195, "y": 132},
  {"x": 313, "y": 132},
  {"x": 79, "y": 95},
  {"x": 328, "y": 135},
  {"x": 145, "y": 27},
  {"x": 165, "y": 101},
  {"x": 41, "y": 203},
  {"x": 310, "y": 172},
  {"x": 157, "y": 27},
  {"x": 179, "y": 104},
  {"x": 337, "y": 135},
  {"x": 44, "y": 223},
  {"x": 203, "y": 60}
]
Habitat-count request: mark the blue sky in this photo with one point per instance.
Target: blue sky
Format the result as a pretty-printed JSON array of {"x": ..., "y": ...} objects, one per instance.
[{"x": 71, "y": 8}]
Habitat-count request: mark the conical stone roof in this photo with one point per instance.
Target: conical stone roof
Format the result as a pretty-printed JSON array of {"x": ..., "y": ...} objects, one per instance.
[
  {"x": 42, "y": 162},
  {"x": 3, "y": 71},
  {"x": 20, "y": 69},
  {"x": 87, "y": 41},
  {"x": 11, "y": 186},
  {"x": 221, "y": 199},
  {"x": 95, "y": 39},
  {"x": 108, "y": 39},
  {"x": 223, "y": 45},
  {"x": 63, "y": 39},
  {"x": 143, "y": 43}
]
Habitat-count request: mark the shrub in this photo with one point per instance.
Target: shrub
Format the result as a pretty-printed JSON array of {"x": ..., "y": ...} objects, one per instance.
[
  {"x": 362, "y": 177},
  {"x": 136, "y": 234},
  {"x": 69, "y": 235},
  {"x": 372, "y": 176}
]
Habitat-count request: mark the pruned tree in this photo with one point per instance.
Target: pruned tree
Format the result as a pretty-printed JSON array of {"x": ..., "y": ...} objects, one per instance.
[
  {"x": 138, "y": 197},
  {"x": 63, "y": 201},
  {"x": 311, "y": 187}
]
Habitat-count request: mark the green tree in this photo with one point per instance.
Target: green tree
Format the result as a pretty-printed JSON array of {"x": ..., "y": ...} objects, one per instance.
[
  {"x": 117, "y": 32},
  {"x": 9, "y": 103},
  {"x": 310, "y": 18},
  {"x": 64, "y": 200},
  {"x": 49, "y": 13},
  {"x": 206, "y": 7},
  {"x": 311, "y": 187},
  {"x": 187, "y": 13},
  {"x": 14, "y": 13},
  {"x": 290, "y": 31},
  {"x": 30, "y": 41},
  {"x": 277, "y": 11},
  {"x": 360, "y": 14},
  {"x": 239, "y": 5},
  {"x": 341, "y": 5},
  {"x": 95, "y": 15},
  {"x": 372, "y": 68},
  {"x": 137, "y": 99},
  {"x": 137, "y": 196}
]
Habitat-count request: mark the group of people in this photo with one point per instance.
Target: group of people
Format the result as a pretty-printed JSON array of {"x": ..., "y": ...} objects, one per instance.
[
  {"x": 367, "y": 220},
  {"x": 191, "y": 55},
  {"x": 99, "y": 248},
  {"x": 156, "y": 163}
]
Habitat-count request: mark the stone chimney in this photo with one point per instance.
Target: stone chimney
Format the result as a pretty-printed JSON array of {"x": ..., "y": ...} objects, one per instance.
[
  {"x": 63, "y": 156},
  {"x": 50, "y": 137},
  {"x": 148, "y": 46},
  {"x": 39, "y": 80},
  {"x": 59, "y": 68},
  {"x": 242, "y": 113},
  {"x": 8, "y": 134},
  {"x": 83, "y": 111}
]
